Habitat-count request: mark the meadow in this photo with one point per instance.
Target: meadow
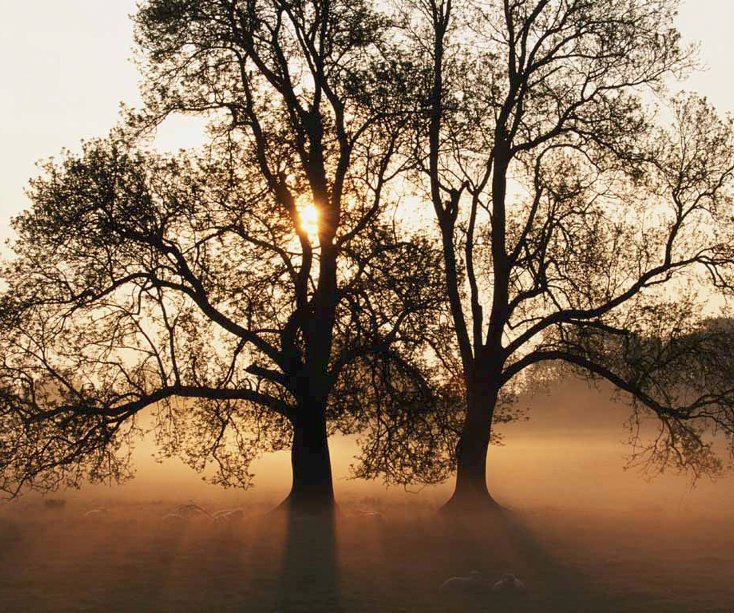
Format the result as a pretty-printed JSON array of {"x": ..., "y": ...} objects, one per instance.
[
  {"x": 371, "y": 557},
  {"x": 581, "y": 533}
]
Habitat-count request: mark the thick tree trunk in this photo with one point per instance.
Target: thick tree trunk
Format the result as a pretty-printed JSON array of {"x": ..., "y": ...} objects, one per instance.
[
  {"x": 471, "y": 493},
  {"x": 312, "y": 489}
]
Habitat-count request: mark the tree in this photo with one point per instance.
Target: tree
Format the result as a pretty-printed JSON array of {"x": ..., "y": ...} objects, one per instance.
[
  {"x": 253, "y": 295},
  {"x": 578, "y": 224}
]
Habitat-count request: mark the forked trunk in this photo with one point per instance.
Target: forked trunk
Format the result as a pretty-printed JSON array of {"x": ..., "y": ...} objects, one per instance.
[
  {"x": 312, "y": 489},
  {"x": 471, "y": 493}
]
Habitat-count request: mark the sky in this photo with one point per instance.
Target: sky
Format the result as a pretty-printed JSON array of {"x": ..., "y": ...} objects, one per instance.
[{"x": 66, "y": 66}]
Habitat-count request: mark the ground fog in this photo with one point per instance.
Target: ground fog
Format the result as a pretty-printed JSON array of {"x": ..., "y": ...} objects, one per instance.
[{"x": 579, "y": 532}]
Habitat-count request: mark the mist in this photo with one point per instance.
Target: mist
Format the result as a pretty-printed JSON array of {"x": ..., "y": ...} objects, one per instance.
[
  {"x": 570, "y": 450},
  {"x": 581, "y": 530}
]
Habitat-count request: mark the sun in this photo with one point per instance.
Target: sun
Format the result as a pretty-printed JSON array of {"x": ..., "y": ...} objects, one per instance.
[{"x": 308, "y": 218}]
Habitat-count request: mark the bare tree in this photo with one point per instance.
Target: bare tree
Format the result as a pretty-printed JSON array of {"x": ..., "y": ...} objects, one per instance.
[
  {"x": 578, "y": 224},
  {"x": 256, "y": 295}
]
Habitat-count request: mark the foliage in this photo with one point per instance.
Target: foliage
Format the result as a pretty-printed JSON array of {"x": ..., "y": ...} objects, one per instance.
[{"x": 189, "y": 285}]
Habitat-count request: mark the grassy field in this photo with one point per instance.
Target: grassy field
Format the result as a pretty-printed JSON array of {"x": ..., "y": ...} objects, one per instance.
[
  {"x": 133, "y": 558},
  {"x": 583, "y": 535}
]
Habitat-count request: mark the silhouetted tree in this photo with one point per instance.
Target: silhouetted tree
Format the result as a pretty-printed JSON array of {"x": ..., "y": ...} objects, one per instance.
[
  {"x": 578, "y": 224},
  {"x": 199, "y": 287}
]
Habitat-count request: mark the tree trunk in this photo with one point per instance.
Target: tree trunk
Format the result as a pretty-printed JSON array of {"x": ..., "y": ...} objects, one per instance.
[
  {"x": 471, "y": 493},
  {"x": 312, "y": 489}
]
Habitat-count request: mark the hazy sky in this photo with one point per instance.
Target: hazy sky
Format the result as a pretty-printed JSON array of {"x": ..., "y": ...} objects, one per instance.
[{"x": 65, "y": 68}]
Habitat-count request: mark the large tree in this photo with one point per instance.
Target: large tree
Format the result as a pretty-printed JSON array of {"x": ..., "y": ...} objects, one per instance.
[
  {"x": 250, "y": 295},
  {"x": 580, "y": 223}
]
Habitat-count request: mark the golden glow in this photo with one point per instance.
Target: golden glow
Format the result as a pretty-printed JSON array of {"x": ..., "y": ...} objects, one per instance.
[{"x": 308, "y": 218}]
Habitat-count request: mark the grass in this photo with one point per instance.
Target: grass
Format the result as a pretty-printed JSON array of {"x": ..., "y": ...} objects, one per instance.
[{"x": 131, "y": 559}]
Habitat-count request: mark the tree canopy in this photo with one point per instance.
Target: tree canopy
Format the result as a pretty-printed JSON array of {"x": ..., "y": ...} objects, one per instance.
[
  {"x": 251, "y": 294},
  {"x": 577, "y": 200}
]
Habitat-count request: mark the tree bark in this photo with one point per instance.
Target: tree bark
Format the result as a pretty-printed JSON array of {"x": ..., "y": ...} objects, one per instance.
[
  {"x": 312, "y": 489},
  {"x": 471, "y": 493}
]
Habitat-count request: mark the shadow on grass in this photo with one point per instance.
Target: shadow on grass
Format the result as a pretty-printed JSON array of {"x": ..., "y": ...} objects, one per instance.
[
  {"x": 308, "y": 577},
  {"x": 502, "y": 542}
]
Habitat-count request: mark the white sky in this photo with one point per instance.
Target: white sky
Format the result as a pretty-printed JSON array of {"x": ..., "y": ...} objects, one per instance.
[{"x": 65, "y": 68}]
